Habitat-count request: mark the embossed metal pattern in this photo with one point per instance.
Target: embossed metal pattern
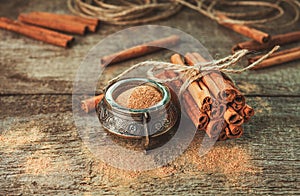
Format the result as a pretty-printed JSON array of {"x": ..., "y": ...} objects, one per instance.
[{"x": 131, "y": 125}]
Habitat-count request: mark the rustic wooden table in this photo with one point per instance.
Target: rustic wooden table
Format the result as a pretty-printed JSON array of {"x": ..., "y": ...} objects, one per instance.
[{"x": 41, "y": 151}]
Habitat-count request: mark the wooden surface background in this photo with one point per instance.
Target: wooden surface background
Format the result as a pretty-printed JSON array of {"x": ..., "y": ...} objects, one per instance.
[{"x": 41, "y": 151}]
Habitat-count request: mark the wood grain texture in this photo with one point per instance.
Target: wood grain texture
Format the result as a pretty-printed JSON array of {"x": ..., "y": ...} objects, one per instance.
[
  {"x": 27, "y": 69},
  {"x": 41, "y": 152}
]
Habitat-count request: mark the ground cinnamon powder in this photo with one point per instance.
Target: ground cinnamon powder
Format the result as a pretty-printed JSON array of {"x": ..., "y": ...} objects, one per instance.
[
  {"x": 230, "y": 160},
  {"x": 139, "y": 97}
]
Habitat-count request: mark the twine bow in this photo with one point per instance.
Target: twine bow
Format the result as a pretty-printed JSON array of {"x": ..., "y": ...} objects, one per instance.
[{"x": 192, "y": 73}]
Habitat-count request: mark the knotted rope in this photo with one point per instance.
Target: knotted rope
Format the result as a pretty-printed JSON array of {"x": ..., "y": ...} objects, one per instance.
[{"x": 192, "y": 73}]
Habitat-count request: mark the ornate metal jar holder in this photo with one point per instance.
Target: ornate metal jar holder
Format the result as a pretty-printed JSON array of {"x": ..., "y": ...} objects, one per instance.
[{"x": 139, "y": 128}]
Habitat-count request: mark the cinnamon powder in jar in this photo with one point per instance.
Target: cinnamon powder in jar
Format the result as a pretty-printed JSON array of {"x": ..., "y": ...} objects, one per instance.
[{"x": 139, "y": 97}]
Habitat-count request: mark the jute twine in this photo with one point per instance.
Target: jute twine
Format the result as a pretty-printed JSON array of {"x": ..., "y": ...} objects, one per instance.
[
  {"x": 126, "y": 12},
  {"x": 189, "y": 74}
]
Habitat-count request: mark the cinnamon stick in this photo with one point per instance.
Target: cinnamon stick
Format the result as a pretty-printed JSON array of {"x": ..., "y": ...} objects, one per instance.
[
  {"x": 91, "y": 23},
  {"x": 140, "y": 50},
  {"x": 233, "y": 131},
  {"x": 199, "y": 118},
  {"x": 226, "y": 91},
  {"x": 232, "y": 117},
  {"x": 176, "y": 59},
  {"x": 52, "y": 23},
  {"x": 220, "y": 88},
  {"x": 200, "y": 96},
  {"x": 90, "y": 104},
  {"x": 189, "y": 105},
  {"x": 37, "y": 33},
  {"x": 247, "y": 112},
  {"x": 278, "y": 59},
  {"x": 215, "y": 127},
  {"x": 203, "y": 121},
  {"x": 255, "y": 58},
  {"x": 238, "y": 102},
  {"x": 217, "y": 109},
  {"x": 193, "y": 114},
  {"x": 223, "y": 136},
  {"x": 255, "y": 34},
  {"x": 207, "y": 100},
  {"x": 191, "y": 59},
  {"x": 280, "y": 39}
]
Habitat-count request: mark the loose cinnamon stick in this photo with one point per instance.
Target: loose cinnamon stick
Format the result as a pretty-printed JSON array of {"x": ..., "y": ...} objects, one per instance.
[
  {"x": 90, "y": 104},
  {"x": 257, "y": 35},
  {"x": 278, "y": 59},
  {"x": 37, "y": 33},
  {"x": 255, "y": 58},
  {"x": 52, "y": 23},
  {"x": 140, "y": 50},
  {"x": 232, "y": 117},
  {"x": 275, "y": 40},
  {"x": 233, "y": 131},
  {"x": 247, "y": 112},
  {"x": 91, "y": 23}
]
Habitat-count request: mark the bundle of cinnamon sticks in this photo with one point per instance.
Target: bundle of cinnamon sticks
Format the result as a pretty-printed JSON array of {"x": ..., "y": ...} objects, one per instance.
[
  {"x": 213, "y": 103},
  {"x": 43, "y": 26}
]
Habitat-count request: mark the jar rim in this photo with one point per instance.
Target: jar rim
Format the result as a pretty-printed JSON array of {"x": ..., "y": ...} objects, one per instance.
[{"x": 141, "y": 81}]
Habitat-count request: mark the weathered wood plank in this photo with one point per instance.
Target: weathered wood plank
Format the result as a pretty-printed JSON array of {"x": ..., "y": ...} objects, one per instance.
[
  {"x": 30, "y": 67},
  {"x": 42, "y": 153}
]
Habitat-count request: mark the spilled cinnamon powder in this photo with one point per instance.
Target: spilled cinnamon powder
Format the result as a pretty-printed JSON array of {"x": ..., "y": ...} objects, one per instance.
[
  {"x": 139, "y": 97},
  {"x": 228, "y": 159},
  {"x": 38, "y": 165}
]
